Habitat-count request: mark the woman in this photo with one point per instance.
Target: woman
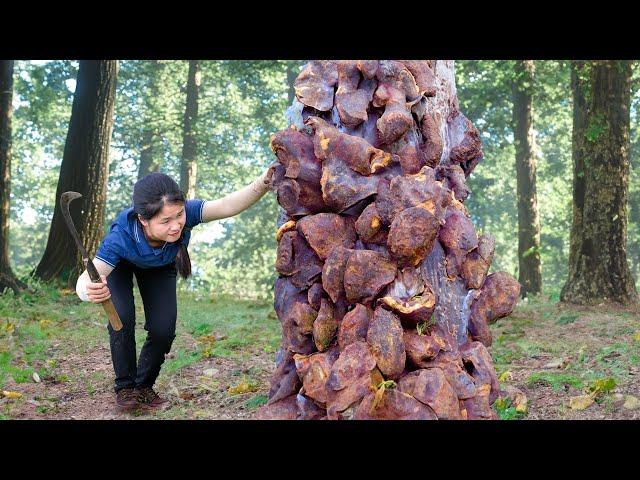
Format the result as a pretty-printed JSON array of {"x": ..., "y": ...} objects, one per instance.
[{"x": 150, "y": 241}]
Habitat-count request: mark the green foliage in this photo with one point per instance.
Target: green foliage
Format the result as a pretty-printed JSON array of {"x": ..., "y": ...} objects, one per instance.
[
  {"x": 567, "y": 318},
  {"x": 597, "y": 126},
  {"x": 42, "y": 109},
  {"x": 388, "y": 384},
  {"x": 633, "y": 229},
  {"x": 602, "y": 385},
  {"x": 556, "y": 380},
  {"x": 235, "y": 324},
  {"x": 421, "y": 328},
  {"x": 256, "y": 402},
  {"x": 183, "y": 358},
  {"x": 241, "y": 103},
  {"x": 484, "y": 91},
  {"x": 505, "y": 410}
]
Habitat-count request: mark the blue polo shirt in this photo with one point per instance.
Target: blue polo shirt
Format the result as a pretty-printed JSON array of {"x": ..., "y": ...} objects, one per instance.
[{"x": 126, "y": 239}]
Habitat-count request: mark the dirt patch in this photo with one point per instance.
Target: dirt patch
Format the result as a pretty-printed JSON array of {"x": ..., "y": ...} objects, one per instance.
[
  {"x": 196, "y": 391},
  {"x": 555, "y": 352}
]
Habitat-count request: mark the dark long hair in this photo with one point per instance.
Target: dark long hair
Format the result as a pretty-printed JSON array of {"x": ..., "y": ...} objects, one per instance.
[{"x": 150, "y": 194}]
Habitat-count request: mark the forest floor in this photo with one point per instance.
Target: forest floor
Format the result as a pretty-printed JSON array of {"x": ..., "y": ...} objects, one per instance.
[{"x": 55, "y": 361}]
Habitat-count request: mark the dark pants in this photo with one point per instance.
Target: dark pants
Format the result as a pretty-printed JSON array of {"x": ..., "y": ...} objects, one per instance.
[{"x": 158, "y": 291}]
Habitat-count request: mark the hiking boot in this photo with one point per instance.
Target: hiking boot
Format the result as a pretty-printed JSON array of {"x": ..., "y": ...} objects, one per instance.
[
  {"x": 150, "y": 400},
  {"x": 127, "y": 399}
]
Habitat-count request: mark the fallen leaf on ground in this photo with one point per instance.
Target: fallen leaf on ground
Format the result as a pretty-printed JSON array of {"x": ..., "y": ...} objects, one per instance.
[
  {"x": 631, "y": 402},
  {"x": 243, "y": 387},
  {"x": 602, "y": 385},
  {"x": 521, "y": 403},
  {"x": 505, "y": 376},
  {"x": 211, "y": 339},
  {"x": 210, "y": 372},
  {"x": 9, "y": 394},
  {"x": 636, "y": 337},
  {"x": 174, "y": 390},
  {"x": 517, "y": 397},
  {"x": 186, "y": 395},
  {"x": 580, "y": 402},
  {"x": 45, "y": 324}
]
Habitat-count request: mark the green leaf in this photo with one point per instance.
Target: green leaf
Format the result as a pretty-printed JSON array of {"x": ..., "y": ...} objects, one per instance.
[
  {"x": 603, "y": 385},
  {"x": 388, "y": 384}
]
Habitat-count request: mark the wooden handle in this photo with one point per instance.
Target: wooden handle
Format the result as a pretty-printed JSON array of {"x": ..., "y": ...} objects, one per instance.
[{"x": 114, "y": 318}]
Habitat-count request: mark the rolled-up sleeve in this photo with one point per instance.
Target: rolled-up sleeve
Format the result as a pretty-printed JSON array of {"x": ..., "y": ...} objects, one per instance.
[
  {"x": 110, "y": 250},
  {"x": 194, "y": 212}
]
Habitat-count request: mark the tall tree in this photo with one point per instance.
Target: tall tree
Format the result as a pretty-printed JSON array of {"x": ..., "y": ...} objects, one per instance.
[
  {"x": 150, "y": 159},
  {"x": 529, "y": 274},
  {"x": 7, "y": 277},
  {"x": 292, "y": 73},
  {"x": 188, "y": 169},
  {"x": 84, "y": 169},
  {"x": 598, "y": 269}
]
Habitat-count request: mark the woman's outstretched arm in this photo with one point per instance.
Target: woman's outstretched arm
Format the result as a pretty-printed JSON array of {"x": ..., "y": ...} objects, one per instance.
[{"x": 238, "y": 201}]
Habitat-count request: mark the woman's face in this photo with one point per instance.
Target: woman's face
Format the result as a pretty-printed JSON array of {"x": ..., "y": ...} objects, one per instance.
[{"x": 167, "y": 224}]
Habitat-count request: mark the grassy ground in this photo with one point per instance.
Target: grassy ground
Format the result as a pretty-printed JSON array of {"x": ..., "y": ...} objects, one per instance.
[
  {"x": 554, "y": 352},
  {"x": 55, "y": 361},
  {"x": 219, "y": 366}
]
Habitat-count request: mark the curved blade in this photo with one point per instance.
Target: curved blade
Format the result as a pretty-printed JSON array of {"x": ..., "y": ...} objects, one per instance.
[{"x": 65, "y": 199}]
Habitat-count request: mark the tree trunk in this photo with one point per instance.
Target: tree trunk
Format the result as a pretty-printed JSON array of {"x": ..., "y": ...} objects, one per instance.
[
  {"x": 147, "y": 157},
  {"x": 150, "y": 161},
  {"x": 7, "y": 278},
  {"x": 189, "y": 165},
  {"x": 84, "y": 169},
  {"x": 598, "y": 269},
  {"x": 292, "y": 73},
  {"x": 528, "y": 219},
  {"x": 383, "y": 280}
]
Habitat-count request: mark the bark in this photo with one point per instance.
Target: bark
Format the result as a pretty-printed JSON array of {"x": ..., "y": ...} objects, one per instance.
[
  {"x": 291, "y": 77},
  {"x": 6, "y": 111},
  {"x": 84, "y": 169},
  {"x": 7, "y": 277},
  {"x": 371, "y": 178},
  {"x": 528, "y": 218},
  {"x": 150, "y": 160},
  {"x": 189, "y": 165},
  {"x": 598, "y": 268}
]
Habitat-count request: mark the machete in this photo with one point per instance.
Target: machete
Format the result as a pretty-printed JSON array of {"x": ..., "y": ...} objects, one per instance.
[{"x": 65, "y": 199}]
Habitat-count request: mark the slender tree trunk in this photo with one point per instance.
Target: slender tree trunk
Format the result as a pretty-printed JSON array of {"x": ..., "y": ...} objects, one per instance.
[
  {"x": 579, "y": 86},
  {"x": 292, "y": 73},
  {"x": 598, "y": 269},
  {"x": 7, "y": 277},
  {"x": 633, "y": 250},
  {"x": 189, "y": 166},
  {"x": 149, "y": 159},
  {"x": 84, "y": 169},
  {"x": 528, "y": 219}
]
